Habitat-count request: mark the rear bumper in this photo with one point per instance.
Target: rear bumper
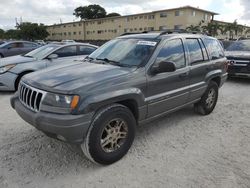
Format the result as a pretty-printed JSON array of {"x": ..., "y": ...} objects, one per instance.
[
  {"x": 68, "y": 128},
  {"x": 7, "y": 81}
]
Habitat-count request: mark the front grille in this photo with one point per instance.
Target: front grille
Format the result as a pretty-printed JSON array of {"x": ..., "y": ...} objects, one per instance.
[{"x": 30, "y": 97}]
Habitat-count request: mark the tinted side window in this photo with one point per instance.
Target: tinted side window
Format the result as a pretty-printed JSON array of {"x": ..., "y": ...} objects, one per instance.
[
  {"x": 173, "y": 51},
  {"x": 86, "y": 50},
  {"x": 29, "y": 45},
  {"x": 195, "y": 51},
  {"x": 66, "y": 51},
  {"x": 205, "y": 55},
  {"x": 14, "y": 45},
  {"x": 214, "y": 48}
]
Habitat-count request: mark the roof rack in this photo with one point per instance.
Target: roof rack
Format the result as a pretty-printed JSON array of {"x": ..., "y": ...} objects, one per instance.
[{"x": 133, "y": 33}]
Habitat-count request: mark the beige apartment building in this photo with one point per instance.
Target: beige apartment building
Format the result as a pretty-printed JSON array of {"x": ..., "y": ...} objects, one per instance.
[{"x": 108, "y": 28}]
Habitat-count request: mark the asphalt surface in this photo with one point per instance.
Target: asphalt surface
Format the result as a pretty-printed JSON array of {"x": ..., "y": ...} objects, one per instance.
[{"x": 180, "y": 150}]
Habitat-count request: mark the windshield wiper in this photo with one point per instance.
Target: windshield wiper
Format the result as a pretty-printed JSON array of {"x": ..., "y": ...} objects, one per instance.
[{"x": 112, "y": 62}]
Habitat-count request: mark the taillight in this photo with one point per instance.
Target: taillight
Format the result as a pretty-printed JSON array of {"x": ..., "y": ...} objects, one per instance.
[{"x": 226, "y": 63}]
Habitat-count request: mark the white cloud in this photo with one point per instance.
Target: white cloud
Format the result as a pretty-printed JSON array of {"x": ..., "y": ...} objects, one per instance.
[{"x": 51, "y": 11}]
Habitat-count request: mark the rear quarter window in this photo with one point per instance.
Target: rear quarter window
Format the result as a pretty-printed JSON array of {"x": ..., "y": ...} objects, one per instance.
[{"x": 214, "y": 48}]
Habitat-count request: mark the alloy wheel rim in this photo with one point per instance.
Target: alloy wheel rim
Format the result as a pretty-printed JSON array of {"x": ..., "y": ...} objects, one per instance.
[
  {"x": 114, "y": 135},
  {"x": 211, "y": 98}
]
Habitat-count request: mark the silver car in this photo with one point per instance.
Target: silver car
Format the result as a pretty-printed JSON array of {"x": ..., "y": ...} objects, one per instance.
[
  {"x": 12, "y": 69},
  {"x": 12, "y": 48}
]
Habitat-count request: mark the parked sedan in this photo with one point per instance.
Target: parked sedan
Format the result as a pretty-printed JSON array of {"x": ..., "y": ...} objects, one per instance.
[
  {"x": 12, "y": 69},
  {"x": 12, "y": 48},
  {"x": 238, "y": 55}
]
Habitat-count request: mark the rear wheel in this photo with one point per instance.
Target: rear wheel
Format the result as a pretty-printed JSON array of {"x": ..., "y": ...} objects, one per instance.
[
  {"x": 110, "y": 135},
  {"x": 1, "y": 56},
  {"x": 209, "y": 99}
]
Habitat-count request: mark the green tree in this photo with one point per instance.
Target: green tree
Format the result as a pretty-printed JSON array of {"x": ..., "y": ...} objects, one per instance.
[
  {"x": 32, "y": 31},
  {"x": 2, "y": 33},
  {"x": 113, "y": 14},
  {"x": 12, "y": 34},
  {"x": 193, "y": 28},
  {"x": 212, "y": 28},
  {"x": 90, "y": 12}
]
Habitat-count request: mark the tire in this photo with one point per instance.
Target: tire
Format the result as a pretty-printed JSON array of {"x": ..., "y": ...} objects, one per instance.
[
  {"x": 115, "y": 127},
  {"x": 209, "y": 99},
  {"x": 1, "y": 56}
]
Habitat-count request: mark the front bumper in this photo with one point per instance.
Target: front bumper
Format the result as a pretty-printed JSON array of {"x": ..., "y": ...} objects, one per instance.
[
  {"x": 240, "y": 71},
  {"x": 68, "y": 128},
  {"x": 7, "y": 81}
]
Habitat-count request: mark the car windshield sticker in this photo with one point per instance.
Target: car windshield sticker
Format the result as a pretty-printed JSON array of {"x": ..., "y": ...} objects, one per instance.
[{"x": 147, "y": 43}]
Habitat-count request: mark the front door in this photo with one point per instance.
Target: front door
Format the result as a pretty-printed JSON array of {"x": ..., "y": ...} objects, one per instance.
[{"x": 167, "y": 91}]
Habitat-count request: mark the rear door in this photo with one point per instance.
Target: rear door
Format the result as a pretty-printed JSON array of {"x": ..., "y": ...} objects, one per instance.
[
  {"x": 199, "y": 66},
  {"x": 28, "y": 46},
  {"x": 83, "y": 51},
  {"x": 169, "y": 90},
  {"x": 14, "y": 48},
  {"x": 65, "y": 54}
]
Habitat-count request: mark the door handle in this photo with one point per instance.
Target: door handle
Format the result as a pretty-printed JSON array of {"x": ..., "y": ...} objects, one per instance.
[{"x": 184, "y": 75}]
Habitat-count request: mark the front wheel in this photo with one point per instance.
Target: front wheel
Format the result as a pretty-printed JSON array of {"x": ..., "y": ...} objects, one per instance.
[
  {"x": 110, "y": 135},
  {"x": 209, "y": 99}
]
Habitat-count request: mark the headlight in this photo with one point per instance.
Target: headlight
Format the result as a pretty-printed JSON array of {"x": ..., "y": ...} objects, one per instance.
[
  {"x": 59, "y": 103},
  {"x": 6, "y": 68}
]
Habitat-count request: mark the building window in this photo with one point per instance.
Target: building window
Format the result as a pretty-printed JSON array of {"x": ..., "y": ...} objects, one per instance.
[
  {"x": 74, "y": 25},
  {"x": 140, "y": 29},
  {"x": 65, "y": 34},
  {"x": 69, "y": 33},
  {"x": 179, "y": 13},
  {"x": 145, "y": 17},
  {"x": 80, "y": 32},
  {"x": 205, "y": 17},
  {"x": 162, "y": 28},
  {"x": 150, "y": 17},
  {"x": 145, "y": 29},
  {"x": 135, "y": 29},
  {"x": 141, "y": 17},
  {"x": 163, "y": 15},
  {"x": 151, "y": 29},
  {"x": 131, "y": 30},
  {"x": 80, "y": 24},
  {"x": 127, "y": 19},
  {"x": 99, "y": 22},
  {"x": 115, "y": 31},
  {"x": 64, "y": 26},
  {"x": 74, "y": 33},
  {"x": 193, "y": 13},
  {"x": 99, "y": 31},
  {"x": 176, "y": 27}
]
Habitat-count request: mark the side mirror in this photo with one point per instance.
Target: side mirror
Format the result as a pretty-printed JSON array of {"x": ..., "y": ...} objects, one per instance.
[
  {"x": 163, "y": 66},
  {"x": 52, "y": 56}
]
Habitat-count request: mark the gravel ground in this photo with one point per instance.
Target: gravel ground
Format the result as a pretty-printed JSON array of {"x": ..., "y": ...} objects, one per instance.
[{"x": 180, "y": 150}]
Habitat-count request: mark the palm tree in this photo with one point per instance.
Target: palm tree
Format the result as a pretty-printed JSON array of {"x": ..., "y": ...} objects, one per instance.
[
  {"x": 193, "y": 28},
  {"x": 212, "y": 28}
]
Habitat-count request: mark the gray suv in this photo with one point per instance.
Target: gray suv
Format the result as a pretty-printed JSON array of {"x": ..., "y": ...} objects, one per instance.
[{"x": 127, "y": 82}]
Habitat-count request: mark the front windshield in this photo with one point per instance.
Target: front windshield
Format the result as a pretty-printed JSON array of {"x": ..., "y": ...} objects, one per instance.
[
  {"x": 126, "y": 52},
  {"x": 239, "y": 46},
  {"x": 41, "y": 52}
]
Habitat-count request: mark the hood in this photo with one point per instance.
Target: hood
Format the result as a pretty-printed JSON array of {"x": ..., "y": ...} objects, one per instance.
[
  {"x": 15, "y": 60},
  {"x": 74, "y": 76},
  {"x": 238, "y": 54}
]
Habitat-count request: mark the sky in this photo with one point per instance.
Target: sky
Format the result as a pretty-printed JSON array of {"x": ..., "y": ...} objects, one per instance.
[{"x": 52, "y": 11}]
